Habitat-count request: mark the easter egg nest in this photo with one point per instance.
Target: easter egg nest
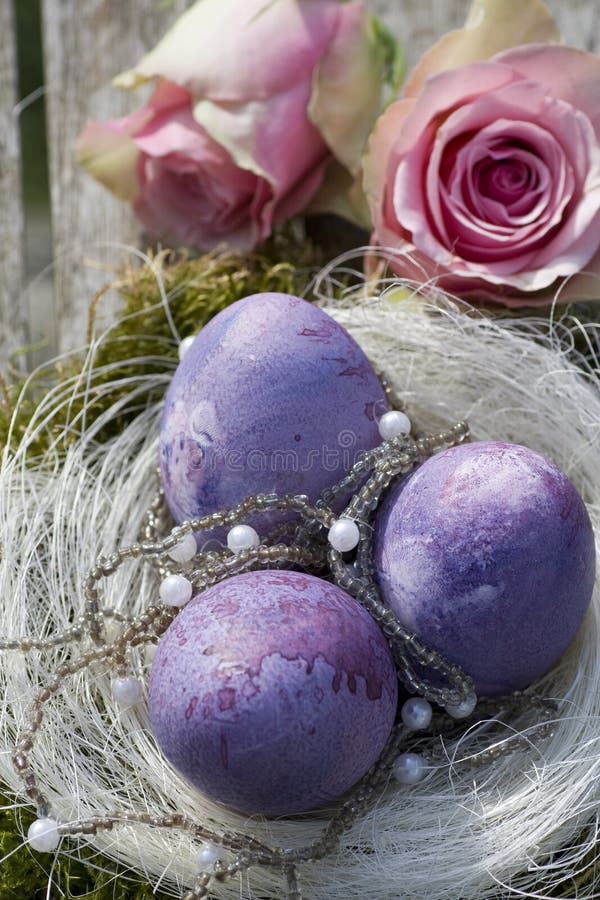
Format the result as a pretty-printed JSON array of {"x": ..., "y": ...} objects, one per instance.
[{"x": 509, "y": 805}]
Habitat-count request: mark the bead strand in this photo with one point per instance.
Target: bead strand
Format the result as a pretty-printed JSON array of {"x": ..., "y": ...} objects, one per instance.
[
  {"x": 26, "y": 737},
  {"x": 25, "y": 644}
]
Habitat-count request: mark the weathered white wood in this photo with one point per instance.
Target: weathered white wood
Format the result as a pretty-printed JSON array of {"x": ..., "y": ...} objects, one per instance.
[
  {"x": 12, "y": 314},
  {"x": 85, "y": 45}
]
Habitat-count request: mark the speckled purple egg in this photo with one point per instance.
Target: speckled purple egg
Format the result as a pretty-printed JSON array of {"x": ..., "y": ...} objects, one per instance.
[
  {"x": 487, "y": 552},
  {"x": 272, "y": 396},
  {"x": 273, "y": 692}
]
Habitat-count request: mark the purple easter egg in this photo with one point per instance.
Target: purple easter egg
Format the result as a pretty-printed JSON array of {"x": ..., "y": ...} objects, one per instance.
[
  {"x": 486, "y": 551},
  {"x": 272, "y": 396},
  {"x": 273, "y": 692}
]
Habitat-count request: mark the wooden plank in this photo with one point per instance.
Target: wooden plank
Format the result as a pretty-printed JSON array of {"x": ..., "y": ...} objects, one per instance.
[
  {"x": 12, "y": 316},
  {"x": 85, "y": 45}
]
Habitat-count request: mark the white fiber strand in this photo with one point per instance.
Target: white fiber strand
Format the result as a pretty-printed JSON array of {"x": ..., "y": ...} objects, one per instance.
[{"x": 516, "y": 827}]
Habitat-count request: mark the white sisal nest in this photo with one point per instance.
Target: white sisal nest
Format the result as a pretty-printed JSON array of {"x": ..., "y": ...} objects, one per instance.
[{"x": 520, "y": 826}]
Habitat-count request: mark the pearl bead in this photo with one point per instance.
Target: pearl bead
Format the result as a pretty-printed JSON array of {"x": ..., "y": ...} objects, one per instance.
[
  {"x": 463, "y": 709},
  {"x": 208, "y": 854},
  {"x": 175, "y": 590},
  {"x": 416, "y": 713},
  {"x": 185, "y": 345},
  {"x": 394, "y": 423},
  {"x": 127, "y": 691},
  {"x": 409, "y": 768},
  {"x": 344, "y": 535},
  {"x": 242, "y": 537},
  {"x": 185, "y": 550},
  {"x": 43, "y": 835}
]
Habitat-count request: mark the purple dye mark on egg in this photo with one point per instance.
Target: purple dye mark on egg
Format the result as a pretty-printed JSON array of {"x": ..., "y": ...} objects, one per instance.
[
  {"x": 349, "y": 371},
  {"x": 191, "y": 707},
  {"x": 226, "y": 699},
  {"x": 374, "y": 410},
  {"x": 323, "y": 333}
]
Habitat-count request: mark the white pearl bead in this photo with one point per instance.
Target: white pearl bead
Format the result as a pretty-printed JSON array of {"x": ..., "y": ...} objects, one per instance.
[
  {"x": 175, "y": 590},
  {"x": 409, "y": 768},
  {"x": 394, "y": 423},
  {"x": 43, "y": 835},
  {"x": 127, "y": 691},
  {"x": 416, "y": 713},
  {"x": 185, "y": 550},
  {"x": 242, "y": 537},
  {"x": 185, "y": 345},
  {"x": 344, "y": 535},
  {"x": 207, "y": 856},
  {"x": 463, "y": 709}
]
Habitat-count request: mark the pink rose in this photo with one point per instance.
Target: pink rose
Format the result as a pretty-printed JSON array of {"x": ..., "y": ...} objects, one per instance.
[
  {"x": 254, "y": 100},
  {"x": 486, "y": 176}
]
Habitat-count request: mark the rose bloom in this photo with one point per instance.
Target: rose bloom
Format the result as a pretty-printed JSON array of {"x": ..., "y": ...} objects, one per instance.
[
  {"x": 253, "y": 101},
  {"x": 486, "y": 176}
]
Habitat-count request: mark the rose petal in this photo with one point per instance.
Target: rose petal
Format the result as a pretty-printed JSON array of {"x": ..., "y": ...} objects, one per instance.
[
  {"x": 567, "y": 74},
  {"x": 491, "y": 26},
  {"x": 178, "y": 134},
  {"x": 240, "y": 50},
  {"x": 204, "y": 209},
  {"x": 378, "y": 160},
  {"x": 273, "y": 138},
  {"x": 108, "y": 152},
  {"x": 346, "y": 96}
]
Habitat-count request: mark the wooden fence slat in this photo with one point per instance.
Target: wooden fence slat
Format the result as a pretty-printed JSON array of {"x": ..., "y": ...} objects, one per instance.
[
  {"x": 12, "y": 313},
  {"x": 85, "y": 45}
]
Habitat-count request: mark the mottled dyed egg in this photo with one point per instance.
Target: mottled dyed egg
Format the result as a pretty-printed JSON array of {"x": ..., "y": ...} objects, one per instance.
[
  {"x": 272, "y": 396},
  {"x": 487, "y": 552},
  {"x": 273, "y": 692}
]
